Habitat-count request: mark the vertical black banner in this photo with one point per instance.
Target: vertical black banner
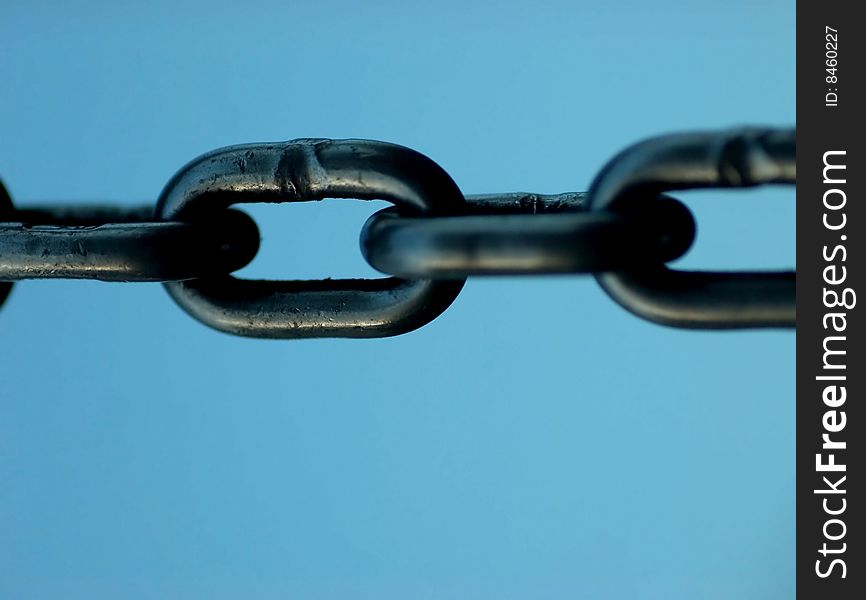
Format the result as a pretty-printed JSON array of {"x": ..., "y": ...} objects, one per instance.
[{"x": 831, "y": 329}]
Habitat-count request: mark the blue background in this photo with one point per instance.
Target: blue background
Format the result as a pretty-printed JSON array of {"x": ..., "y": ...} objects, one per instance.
[{"x": 536, "y": 441}]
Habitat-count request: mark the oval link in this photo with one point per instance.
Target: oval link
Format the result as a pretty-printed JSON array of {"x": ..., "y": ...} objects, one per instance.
[
  {"x": 700, "y": 299},
  {"x": 299, "y": 171}
]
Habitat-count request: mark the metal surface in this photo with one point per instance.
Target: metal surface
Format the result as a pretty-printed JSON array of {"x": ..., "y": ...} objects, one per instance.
[
  {"x": 525, "y": 234},
  {"x": 299, "y": 171},
  {"x": 705, "y": 300},
  {"x": 622, "y": 231},
  {"x": 80, "y": 214},
  {"x": 6, "y": 209},
  {"x": 147, "y": 251}
]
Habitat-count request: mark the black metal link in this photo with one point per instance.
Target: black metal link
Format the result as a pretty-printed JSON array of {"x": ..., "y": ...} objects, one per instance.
[
  {"x": 118, "y": 243},
  {"x": 300, "y": 171},
  {"x": 148, "y": 251},
  {"x": 700, "y": 300},
  {"x": 525, "y": 234}
]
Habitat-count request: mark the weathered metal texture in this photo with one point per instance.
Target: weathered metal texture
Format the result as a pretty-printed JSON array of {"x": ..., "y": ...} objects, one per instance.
[
  {"x": 300, "y": 171},
  {"x": 525, "y": 234},
  {"x": 622, "y": 231},
  {"x": 696, "y": 299},
  {"x": 127, "y": 251}
]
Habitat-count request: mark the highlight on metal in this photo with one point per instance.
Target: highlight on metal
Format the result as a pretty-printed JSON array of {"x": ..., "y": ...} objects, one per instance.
[{"x": 623, "y": 231}]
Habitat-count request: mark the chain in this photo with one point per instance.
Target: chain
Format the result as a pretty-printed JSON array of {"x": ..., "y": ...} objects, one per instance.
[{"x": 622, "y": 231}]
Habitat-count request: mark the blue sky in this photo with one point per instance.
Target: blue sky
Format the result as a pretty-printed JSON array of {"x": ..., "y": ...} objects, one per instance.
[{"x": 534, "y": 441}]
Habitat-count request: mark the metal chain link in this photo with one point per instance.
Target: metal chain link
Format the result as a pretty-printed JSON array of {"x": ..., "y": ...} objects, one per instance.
[
  {"x": 125, "y": 250},
  {"x": 700, "y": 300},
  {"x": 623, "y": 231},
  {"x": 526, "y": 234}
]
